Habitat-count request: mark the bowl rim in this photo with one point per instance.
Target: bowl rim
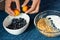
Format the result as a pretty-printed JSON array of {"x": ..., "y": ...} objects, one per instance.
[
  {"x": 19, "y": 28},
  {"x": 43, "y": 14}
]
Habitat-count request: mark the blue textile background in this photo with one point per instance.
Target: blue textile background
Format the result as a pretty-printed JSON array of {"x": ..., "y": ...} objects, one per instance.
[{"x": 31, "y": 33}]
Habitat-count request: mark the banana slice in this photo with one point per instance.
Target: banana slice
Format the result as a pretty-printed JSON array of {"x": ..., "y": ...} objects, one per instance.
[{"x": 45, "y": 24}]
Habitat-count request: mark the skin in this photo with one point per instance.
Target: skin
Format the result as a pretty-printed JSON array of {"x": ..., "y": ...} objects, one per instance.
[
  {"x": 7, "y": 6},
  {"x": 34, "y": 7}
]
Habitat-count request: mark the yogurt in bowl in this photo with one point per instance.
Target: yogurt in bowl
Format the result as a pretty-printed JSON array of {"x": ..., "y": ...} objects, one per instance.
[
  {"x": 16, "y": 31},
  {"x": 48, "y": 23},
  {"x": 55, "y": 20}
]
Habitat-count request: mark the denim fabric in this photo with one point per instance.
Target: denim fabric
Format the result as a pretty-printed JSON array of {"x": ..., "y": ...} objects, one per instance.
[{"x": 31, "y": 33}]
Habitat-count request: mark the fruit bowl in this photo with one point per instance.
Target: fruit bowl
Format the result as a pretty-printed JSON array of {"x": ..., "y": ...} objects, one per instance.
[
  {"x": 48, "y": 23},
  {"x": 8, "y": 21}
]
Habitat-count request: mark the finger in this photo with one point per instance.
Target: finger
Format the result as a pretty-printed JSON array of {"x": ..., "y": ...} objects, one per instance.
[
  {"x": 25, "y": 3},
  {"x": 9, "y": 11},
  {"x": 7, "y": 3},
  {"x": 7, "y": 7},
  {"x": 37, "y": 8},
  {"x": 17, "y": 4},
  {"x": 32, "y": 7}
]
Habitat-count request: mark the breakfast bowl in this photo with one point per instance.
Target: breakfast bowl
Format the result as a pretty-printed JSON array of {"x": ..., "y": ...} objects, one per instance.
[
  {"x": 48, "y": 23},
  {"x": 16, "y": 27}
]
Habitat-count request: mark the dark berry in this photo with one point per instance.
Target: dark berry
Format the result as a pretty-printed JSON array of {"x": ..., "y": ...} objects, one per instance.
[
  {"x": 49, "y": 18},
  {"x": 17, "y": 23},
  {"x": 14, "y": 21}
]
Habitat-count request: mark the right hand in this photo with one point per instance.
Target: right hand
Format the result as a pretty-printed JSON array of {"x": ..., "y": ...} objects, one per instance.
[
  {"x": 8, "y": 8},
  {"x": 34, "y": 7}
]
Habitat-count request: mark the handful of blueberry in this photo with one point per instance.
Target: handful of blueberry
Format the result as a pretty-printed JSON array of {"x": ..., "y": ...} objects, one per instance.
[{"x": 17, "y": 23}]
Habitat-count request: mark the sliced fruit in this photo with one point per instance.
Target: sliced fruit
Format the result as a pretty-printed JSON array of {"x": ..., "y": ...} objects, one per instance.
[
  {"x": 24, "y": 8},
  {"x": 17, "y": 12}
]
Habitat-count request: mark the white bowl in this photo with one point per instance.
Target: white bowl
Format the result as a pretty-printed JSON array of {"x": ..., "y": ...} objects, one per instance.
[{"x": 8, "y": 20}]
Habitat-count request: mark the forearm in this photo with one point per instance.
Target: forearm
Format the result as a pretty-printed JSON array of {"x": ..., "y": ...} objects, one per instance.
[{"x": 2, "y": 5}]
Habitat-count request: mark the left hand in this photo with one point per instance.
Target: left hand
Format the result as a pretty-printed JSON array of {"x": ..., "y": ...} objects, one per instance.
[
  {"x": 8, "y": 8},
  {"x": 34, "y": 7}
]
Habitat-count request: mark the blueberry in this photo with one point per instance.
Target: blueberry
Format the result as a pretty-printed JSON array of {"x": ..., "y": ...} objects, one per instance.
[
  {"x": 21, "y": 19},
  {"x": 17, "y": 23},
  {"x": 18, "y": 27},
  {"x": 10, "y": 27},
  {"x": 14, "y": 20},
  {"x": 21, "y": 25},
  {"x": 49, "y": 18}
]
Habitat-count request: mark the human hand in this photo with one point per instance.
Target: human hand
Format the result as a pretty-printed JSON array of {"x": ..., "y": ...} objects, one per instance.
[
  {"x": 8, "y": 8},
  {"x": 34, "y": 7}
]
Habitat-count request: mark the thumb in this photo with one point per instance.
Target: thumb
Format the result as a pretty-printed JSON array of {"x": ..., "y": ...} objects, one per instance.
[
  {"x": 18, "y": 5},
  {"x": 25, "y": 3}
]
